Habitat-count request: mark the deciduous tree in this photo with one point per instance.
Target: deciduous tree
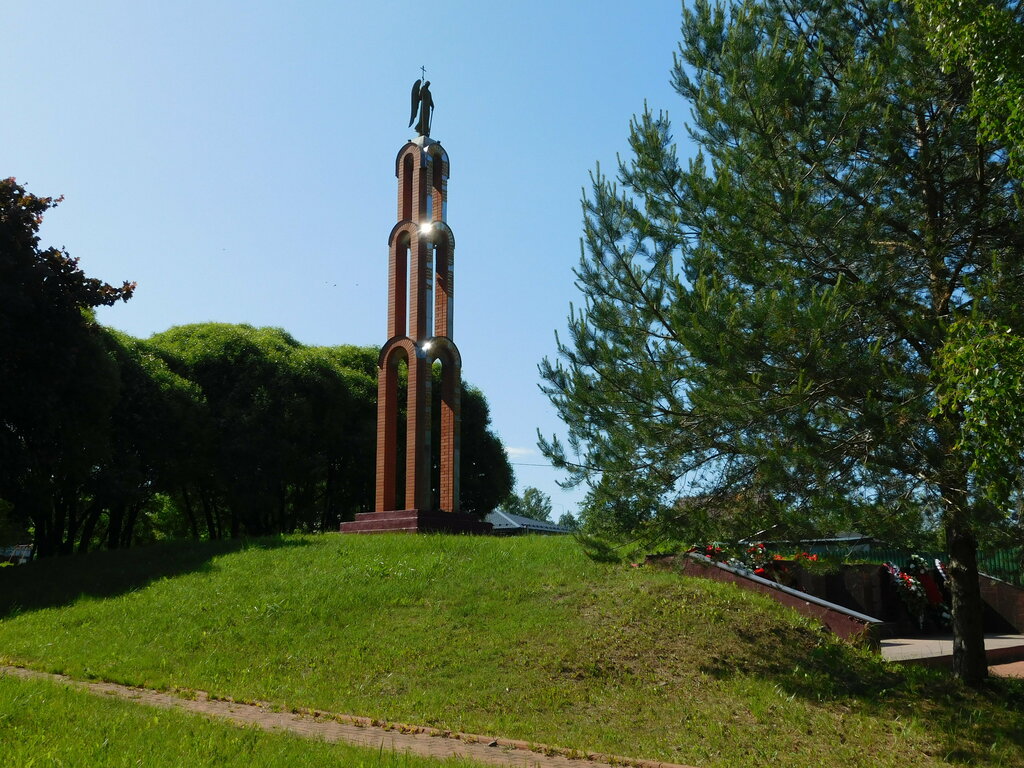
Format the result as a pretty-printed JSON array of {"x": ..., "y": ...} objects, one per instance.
[
  {"x": 57, "y": 384},
  {"x": 532, "y": 503},
  {"x": 986, "y": 37},
  {"x": 485, "y": 473}
]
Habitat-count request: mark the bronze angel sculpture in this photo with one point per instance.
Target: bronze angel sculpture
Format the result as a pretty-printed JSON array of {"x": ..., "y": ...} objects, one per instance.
[{"x": 424, "y": 102}]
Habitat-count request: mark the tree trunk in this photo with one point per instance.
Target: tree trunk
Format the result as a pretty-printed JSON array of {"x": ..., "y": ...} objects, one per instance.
[
  {"x": 969, "y": 661},
  {"x": 60, "y": 520},
  {"x": 43, "y": 544},
  {"x": 92, "y": 516},
  {"x": 328, "y": 508},
  {"x": 128, "y": 528},
  {"x": 211, "y": 527},
  {"x": 114, "y": 525},
  {"x": 68, "y": 530},
  {"x": 190, "y": 514}
]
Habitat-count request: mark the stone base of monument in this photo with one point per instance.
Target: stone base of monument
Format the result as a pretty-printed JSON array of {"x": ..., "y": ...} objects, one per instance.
[{"x": 415, "y": 521}]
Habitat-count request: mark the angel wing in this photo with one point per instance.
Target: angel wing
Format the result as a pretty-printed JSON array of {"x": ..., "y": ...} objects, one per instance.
[{"x": 415, "y": 102}]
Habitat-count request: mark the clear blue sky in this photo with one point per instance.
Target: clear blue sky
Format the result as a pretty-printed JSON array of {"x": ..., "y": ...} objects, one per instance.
[{"x": 235, "y": 158}]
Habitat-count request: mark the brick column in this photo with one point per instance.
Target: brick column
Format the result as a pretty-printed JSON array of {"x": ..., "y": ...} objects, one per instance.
[{"x": 421, "y": 259}]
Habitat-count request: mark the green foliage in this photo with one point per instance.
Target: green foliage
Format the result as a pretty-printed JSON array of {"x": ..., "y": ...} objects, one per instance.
[
  {"x": 288, "y": 429},
  {"x": 763, "y": 322},
  {"x": 156, "y": 431},
  {"x": 981, "y": 383},
  {"x": 57, "y": 386},
  {"x": 536, "y": 504},
  {"x": 13, "y": 531},
  {"x": 759, "y": 331},
  {"x": 208, "y": 431},
  {"x": 523, "y": 638},
  {"x": 486, "y": 474},
  {"x": 986, "y": 37},
  {"x": 568, "y": 521},
  {"x": 533, "y": 503}
]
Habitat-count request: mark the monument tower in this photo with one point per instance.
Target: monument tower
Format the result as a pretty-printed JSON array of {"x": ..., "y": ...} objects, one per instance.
[{"x": 418, "y": 489}]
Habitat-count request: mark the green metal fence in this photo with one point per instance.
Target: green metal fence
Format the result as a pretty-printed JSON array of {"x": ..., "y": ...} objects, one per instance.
[{"x": 1005, "y": 564}]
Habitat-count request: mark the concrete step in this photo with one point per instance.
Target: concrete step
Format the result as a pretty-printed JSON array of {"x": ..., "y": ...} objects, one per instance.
[{"x": 415, "y": 521}]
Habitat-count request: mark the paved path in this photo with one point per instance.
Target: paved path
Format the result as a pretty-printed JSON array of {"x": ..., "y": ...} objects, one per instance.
[
  {"x": 361, "y": 731},
  {"x": 1014, "y": 669},
  {"x": 905, "y": 649},
  {"x": 1005, "y": 652}
]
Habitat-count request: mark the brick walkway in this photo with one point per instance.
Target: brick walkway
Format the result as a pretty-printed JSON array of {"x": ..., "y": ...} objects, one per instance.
[
  {"x": 1013, "y": 669},
  {"x": 361, "y": 731}
]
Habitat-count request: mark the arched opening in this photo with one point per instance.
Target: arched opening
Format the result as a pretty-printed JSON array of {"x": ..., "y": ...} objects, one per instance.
[
  {"x": 437, "y": 185},
  {"x": 406, "y": 303},
  {"x": 401, "y": 429},
  {"x": 428, "y": 199},
  {"x": 443, "y": 286},
  {"x": 401, "y": 284},
  {"x": 444, "y": 441},
  {"x": 436, "y": 373},
  {"x": 407, "y": 182},
  {"x": 428, "y": 289},
  {"x": 392, "y": 402}
]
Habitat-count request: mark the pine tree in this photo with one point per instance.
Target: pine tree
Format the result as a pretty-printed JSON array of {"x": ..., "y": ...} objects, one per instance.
[{"x": 759, "y": 326}]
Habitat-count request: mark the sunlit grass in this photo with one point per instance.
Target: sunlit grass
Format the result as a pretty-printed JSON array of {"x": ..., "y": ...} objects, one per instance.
[
  {"x": 523, "y": 638},
  {"x": 49, "y": 724}
]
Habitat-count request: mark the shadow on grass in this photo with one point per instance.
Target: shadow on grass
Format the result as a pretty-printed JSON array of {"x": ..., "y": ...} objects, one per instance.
[
  {"x": 58, "y": 581},
  {"x": 975, "y": 726}
]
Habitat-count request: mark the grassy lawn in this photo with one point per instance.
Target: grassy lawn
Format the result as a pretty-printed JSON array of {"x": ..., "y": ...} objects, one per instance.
[
  {"x": 49, "y": 724},
  {"x": 523, "y": 638}
]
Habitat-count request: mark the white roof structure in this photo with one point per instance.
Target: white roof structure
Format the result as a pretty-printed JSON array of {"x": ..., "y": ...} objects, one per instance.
[{"x": 503, "y": 522}]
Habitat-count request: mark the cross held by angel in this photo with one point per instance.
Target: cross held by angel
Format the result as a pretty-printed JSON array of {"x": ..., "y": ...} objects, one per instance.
[{"x": 423, "y": 102}]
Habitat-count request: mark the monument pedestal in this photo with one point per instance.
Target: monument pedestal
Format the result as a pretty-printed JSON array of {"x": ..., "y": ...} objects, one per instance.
[{"x": 415, "y": 521}]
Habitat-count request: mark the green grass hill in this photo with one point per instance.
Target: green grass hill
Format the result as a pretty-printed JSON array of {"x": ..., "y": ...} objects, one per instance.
[{"x": 523, "y": 638}]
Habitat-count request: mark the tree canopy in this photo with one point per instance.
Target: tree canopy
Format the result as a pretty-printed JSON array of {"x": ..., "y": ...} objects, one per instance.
[
  {"x": 758, "y": 336},
  {"x": 207, "y": 430},
  {"x": 532, "y": 503},
  {"x": 57, "y": 386},
  {"x": 986, "y": 37}
]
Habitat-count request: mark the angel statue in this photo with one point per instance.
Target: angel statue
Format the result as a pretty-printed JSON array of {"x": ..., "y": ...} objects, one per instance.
[{"x": 422, "y": 100}]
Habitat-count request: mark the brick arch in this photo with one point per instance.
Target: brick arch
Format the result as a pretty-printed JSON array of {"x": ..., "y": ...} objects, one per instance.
[
  {"x": 414, "y": 189},
  {"x": 441, "y": 229},
  {"x": 437, "y": 152},
  {"x": 449, "y": 442},
  {"x": 444, "y": 281},
  {"x": 407, "y": 282},
  {"x": 401, "y": 346},
  {"x": 443, "y": 348},
  {"x": 417, "y": 436},
  {"x": 408, "y": 148},
  {"x": 406, "y": 225}
]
